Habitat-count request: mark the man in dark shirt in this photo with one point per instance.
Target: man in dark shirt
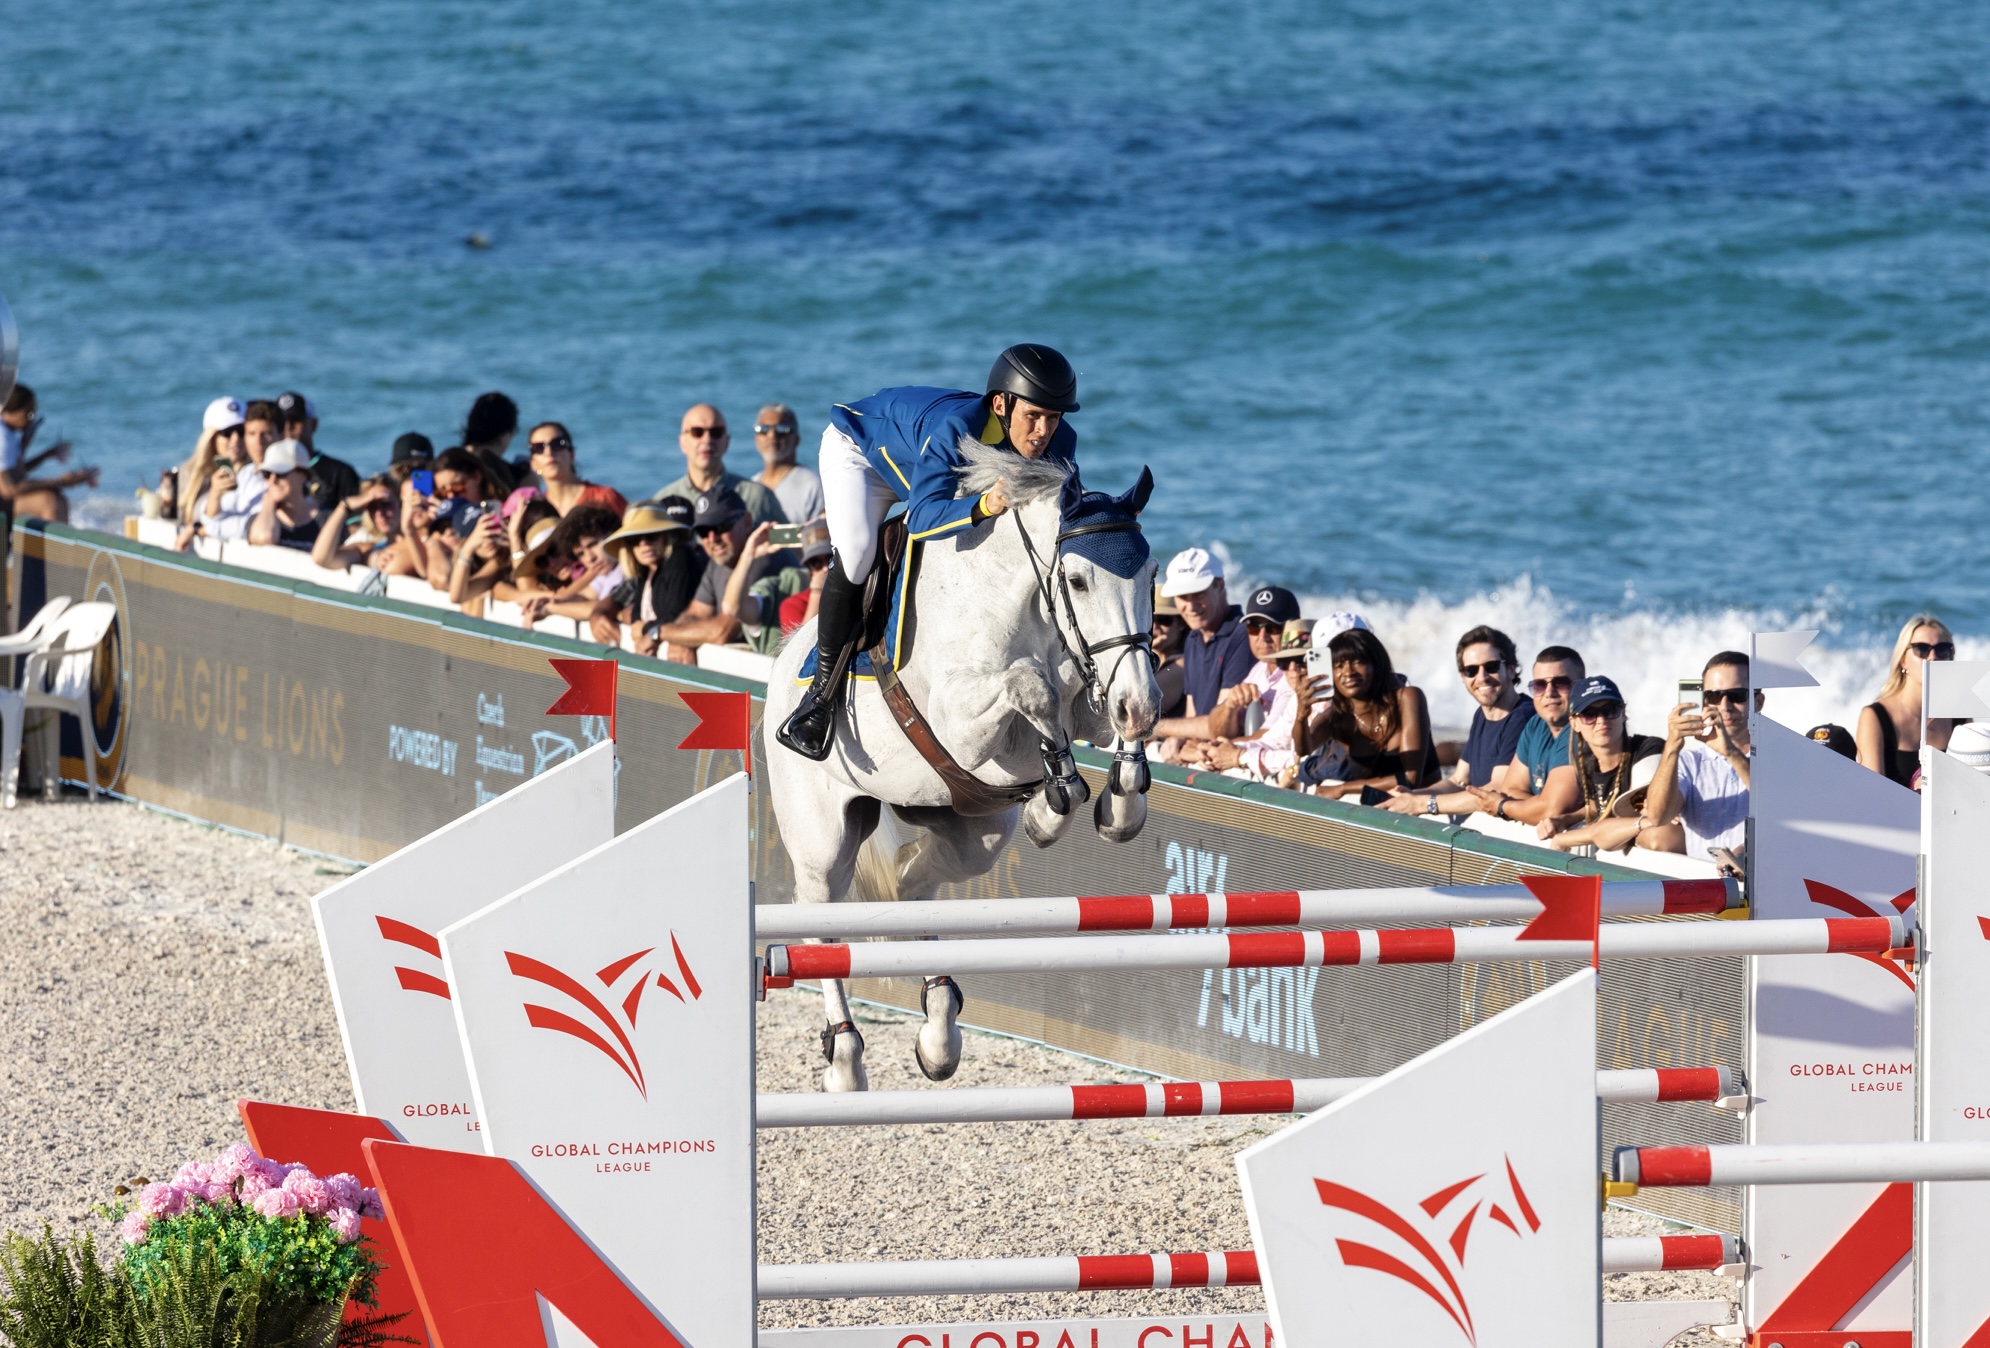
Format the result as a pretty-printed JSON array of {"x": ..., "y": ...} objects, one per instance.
[
  {"x": 1218, "y": 653},
  {"x": 329, "y": 480},
  {"x": 1490, "y": 668},
  {"x": 722, "y": 523}
]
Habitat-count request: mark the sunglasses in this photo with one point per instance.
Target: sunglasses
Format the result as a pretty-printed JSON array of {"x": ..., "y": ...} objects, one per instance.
[
  {"x": 707, "y": 530},
  {"x": 1261, "y": 625},
  {"x": 1941, "y": 650},
  {"x": 778, "y": 428},
  {"x": 1490, "y": 668},
  {"x": 700, "y": 432},
  {"x": 1734, "y": 697},
  {"x": 558, "y": 442},
  {"x": 1561, "y": 683},
  {"x": 1608, "y": 712}
]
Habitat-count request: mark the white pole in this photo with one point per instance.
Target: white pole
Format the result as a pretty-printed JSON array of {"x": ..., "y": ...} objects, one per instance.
[
  {"x": 1101, "y": 1273},
  {"x": 1179, "y": 912},
  {"x": 1261, "y": 950},
  {"x": 1185, "y": 1099},
  {"x": 1804, "y": 1163}
]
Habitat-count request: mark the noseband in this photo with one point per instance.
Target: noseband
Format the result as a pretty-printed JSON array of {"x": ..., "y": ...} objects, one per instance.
[{"x": 1085, "y": 654}]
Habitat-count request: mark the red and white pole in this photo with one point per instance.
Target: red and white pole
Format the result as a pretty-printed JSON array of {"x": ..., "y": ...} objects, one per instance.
[
  {"x": 1182, "y": 912},
  {"x": 1803, "y": 1163},
  {"x": 1313, "y": 949},
  {"x": 1121, "y": 1272},
  {"x": 1183, "y": 1099}
]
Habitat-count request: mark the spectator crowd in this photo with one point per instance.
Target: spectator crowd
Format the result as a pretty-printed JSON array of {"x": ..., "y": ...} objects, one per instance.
[{"x": 1252, "y": 690}]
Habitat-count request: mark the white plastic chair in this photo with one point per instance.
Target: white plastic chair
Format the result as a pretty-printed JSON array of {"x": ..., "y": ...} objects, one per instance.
[
  {"x": 13, "y": 706},
  {"x": 72, "y": 641},
  {"x": 34, "y": 636}
]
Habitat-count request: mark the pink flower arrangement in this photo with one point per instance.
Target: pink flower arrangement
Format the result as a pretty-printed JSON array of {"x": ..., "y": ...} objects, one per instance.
[{"x": 268, "y": 1188}]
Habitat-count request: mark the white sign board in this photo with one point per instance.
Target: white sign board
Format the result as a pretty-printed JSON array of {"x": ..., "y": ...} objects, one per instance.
[
  {"x": 1450, "y": 1204},
  {"x": 606, "y": 1012},
  {"x": 1831, "y": 1044},
  {"x": 1952, "y": 1221},
  {"x": 378, "y": 932}
]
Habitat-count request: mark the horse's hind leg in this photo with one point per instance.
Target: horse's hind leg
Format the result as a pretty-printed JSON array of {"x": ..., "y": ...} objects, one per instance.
[
  {"x": 824, "y": 868},
  {"x": 953, "y": 849}
]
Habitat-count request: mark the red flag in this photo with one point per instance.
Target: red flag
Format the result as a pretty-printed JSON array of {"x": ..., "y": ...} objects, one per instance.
[
  {"x": 590, "y": 690},
  {"x": 725, "y": 721},
  {"x": 1571, "y": 910}
]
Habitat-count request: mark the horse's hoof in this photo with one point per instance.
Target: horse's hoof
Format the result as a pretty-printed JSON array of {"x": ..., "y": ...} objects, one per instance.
[
  {"x": 1043, "y": 834},
  {"x": 937, "y": 1049},
  {"x": 1119, "y": 818},
  {"x": 844, "y": 1048}
]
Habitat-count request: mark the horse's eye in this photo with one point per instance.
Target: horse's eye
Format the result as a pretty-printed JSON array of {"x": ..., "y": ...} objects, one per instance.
[{"x": 1078, "y": 583}]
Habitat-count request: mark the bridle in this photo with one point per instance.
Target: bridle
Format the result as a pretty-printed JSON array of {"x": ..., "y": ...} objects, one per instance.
[{"x": 1086, "y": 652}]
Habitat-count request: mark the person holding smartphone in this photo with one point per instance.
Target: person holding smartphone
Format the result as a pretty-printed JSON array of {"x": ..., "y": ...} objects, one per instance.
[
  {"x": 1702, "y": 778},
  {"x": 34, "y": 498}
]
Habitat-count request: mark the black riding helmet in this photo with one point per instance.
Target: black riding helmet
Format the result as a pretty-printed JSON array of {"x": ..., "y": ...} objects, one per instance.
[{"x": 1036, "y": 374}]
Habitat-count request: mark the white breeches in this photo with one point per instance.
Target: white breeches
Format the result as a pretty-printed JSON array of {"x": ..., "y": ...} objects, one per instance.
[{"x": 856, "y": 500}]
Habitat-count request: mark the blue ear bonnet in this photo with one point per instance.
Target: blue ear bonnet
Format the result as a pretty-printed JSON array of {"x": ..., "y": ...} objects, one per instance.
[{"x": 1123, "y": 552}]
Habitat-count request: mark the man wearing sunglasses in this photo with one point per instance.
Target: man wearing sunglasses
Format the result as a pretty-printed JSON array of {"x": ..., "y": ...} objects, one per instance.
[
  {"x": 1490, "y": 669},
  {"x": 1517, "y": 794},
  {"x": 704, "y": 439},
  {"x": 777, "y": 435},
  {"x": 899, "y": 444},
  {"x": 1702, "y": 778}
]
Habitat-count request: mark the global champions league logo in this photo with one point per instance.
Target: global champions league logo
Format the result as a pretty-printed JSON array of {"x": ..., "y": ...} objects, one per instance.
[
  {"x": 1431, "y": 1267},
  {"x": 622, "y": 1052}
]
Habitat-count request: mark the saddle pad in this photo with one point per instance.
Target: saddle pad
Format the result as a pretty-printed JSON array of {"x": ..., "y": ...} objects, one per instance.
[{"x": 897, "y": 628}]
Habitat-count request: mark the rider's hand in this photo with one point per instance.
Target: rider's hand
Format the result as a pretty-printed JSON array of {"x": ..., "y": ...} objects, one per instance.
[{"x": 994, "y": 501}]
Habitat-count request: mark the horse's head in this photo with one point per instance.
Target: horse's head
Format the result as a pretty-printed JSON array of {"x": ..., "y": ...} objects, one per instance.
[
  {"x": 1105, "y": 572},
  {"x": 1094, "y": 570}
]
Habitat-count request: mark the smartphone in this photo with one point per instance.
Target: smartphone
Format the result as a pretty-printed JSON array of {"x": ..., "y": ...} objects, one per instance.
[
  {"x": 423, "y": 481},
  {"x": 1373, "y": 795},
  {"x": 785, "y": 535},
  {"x": 1689, "y": 691},
  {"x": 1319, "y": 663}
]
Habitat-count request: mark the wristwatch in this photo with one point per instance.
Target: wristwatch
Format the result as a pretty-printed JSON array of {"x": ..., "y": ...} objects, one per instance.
[
  {"x": 1499, "y": 810},
  {"x": 1432, "y": 807}
]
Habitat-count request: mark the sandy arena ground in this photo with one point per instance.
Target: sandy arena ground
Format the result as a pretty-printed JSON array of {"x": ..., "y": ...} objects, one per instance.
[{"x": 153, "y": 971}]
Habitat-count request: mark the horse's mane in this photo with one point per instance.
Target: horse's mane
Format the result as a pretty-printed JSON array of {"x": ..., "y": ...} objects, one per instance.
[{"x": 982, "y": 466}]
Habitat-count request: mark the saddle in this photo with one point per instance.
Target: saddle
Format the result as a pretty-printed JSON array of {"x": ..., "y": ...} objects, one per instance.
[{"x": 888, "y": 594}]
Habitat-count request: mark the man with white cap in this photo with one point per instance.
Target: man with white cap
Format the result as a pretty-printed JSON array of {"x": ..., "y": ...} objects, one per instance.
[{"x": 1218, "y": 653}]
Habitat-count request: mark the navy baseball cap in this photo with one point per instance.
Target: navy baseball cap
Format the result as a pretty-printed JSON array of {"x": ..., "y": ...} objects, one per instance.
[
  {"x": 1593, "y": 690},
  {"x": 717, "y": 509},
  {"x": 1274, "y": 604}
]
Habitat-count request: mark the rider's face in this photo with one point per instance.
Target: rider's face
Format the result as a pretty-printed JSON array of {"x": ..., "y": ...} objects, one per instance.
[{"x": 1030, "y": 426}]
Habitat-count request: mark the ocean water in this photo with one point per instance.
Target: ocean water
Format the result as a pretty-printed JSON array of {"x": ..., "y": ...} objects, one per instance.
[{"x": 1626, "y": 324}]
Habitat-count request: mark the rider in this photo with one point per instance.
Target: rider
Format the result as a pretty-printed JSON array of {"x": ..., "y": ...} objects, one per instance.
[{"x": 899, "y": 445}]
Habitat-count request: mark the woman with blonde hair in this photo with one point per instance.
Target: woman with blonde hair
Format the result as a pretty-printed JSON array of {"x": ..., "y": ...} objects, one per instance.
[
  {"x": 1889, "y": 731},
  {"x": 220, "y": 430}
]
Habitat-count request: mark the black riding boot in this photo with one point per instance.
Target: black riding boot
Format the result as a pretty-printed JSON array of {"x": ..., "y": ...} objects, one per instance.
[{"x": 838, "y": 616}]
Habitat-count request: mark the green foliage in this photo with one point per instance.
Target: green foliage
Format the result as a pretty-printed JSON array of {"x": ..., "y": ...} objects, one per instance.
[
  {"x": 193, "y": 1284},
  {"x": 57, "y": 1297},
  {"x": 296, "y": 1256}
]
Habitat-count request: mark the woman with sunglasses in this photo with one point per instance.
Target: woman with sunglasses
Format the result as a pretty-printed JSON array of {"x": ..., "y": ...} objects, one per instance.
[
  {"x": 1609, "y": 769},
  {"x": 552, "y": 447},
  {"x": 1889, "y": 731}
]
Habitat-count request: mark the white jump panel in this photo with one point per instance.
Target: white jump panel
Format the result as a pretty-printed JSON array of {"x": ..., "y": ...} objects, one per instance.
[
  {"x": 1831, "y": 1056},
  {"x": 606, "y": 1012},
  {"x": 382, "y": 958},
  {"x": 1385, "y": 1218}
]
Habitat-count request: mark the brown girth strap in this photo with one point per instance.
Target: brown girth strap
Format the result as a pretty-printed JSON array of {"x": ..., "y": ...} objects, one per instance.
[{"x": 972, "y": 797}]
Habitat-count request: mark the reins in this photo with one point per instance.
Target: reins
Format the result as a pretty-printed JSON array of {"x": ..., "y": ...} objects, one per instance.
[{"x": 1084, "y": 656}]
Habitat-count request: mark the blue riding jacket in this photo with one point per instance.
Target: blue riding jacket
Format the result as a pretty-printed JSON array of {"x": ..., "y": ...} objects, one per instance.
[{"x": 908, "y": 436}]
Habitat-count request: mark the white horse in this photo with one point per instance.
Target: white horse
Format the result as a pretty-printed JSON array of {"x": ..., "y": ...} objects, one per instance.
[{"x": 1032, "y": 628}]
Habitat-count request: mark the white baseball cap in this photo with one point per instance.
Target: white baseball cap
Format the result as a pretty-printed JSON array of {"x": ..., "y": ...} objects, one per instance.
[
  {"x": 1970, "y": 743},
  {"x": 285, "y": 456},
  {"x": 1190, "y": 571},
  {"x": 221, "y": 414},
  {"x": 1327, "y": 628}
]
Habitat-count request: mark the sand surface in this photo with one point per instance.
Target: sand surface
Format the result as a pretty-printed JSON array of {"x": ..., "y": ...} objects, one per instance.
[{"x": 153, "y": 971}]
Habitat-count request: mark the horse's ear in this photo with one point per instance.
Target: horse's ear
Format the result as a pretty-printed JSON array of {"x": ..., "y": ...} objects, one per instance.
[
  {"x": 1136, "y": 499},
  {"x": 1070, "y": 495}
]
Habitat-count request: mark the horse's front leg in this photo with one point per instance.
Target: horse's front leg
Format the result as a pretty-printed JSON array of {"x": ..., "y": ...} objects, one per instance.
[{"x": 987, "y": 707}]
